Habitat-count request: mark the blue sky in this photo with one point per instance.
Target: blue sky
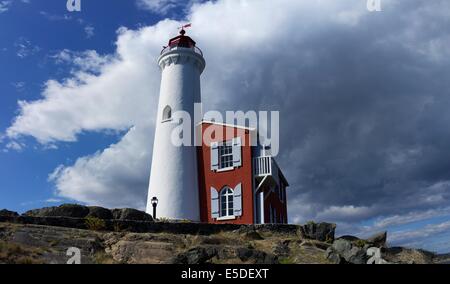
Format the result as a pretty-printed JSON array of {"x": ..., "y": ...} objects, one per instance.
[
  {"x": 366, "y": 91},
  {"x": 35, "y": 32}
]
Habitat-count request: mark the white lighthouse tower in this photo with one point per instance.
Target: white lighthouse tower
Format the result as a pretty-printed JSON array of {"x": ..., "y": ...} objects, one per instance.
[{"x": 173, "y": 177}]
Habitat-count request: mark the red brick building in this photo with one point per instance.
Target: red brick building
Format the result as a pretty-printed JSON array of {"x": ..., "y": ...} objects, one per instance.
[{"x": 238, "y": 183}]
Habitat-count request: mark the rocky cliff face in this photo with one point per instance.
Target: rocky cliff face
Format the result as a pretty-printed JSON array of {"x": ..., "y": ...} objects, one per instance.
[{"x": 124, "y": 236}]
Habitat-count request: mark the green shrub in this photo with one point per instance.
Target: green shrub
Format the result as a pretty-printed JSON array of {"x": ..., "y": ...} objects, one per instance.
[
  {"x": 360, "y": 243},
  {"x": 95, "y": 224},
  {"x": 286, "y": 260}
]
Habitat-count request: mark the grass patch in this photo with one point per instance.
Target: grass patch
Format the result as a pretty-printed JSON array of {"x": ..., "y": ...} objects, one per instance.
[
  {"x": 95, "y": 224},
  {"x": 163, "y": 220},
  {"x": 12, "y": 253},
  {"x": 103, "y": 258},
  {"x": 286, "y": 260}
]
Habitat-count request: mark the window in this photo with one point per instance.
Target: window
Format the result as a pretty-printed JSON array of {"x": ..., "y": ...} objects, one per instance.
[
  {"x": 226, "y": 202},
  {"x": 167, "y": 113},
  {"x": 226, "y": 155}
]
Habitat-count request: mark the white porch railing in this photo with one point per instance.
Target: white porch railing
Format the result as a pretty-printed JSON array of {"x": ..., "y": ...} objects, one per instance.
[{"x": 262, "y": 166}]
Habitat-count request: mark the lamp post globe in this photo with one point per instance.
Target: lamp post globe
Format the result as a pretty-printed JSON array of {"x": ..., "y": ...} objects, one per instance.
[{"x": 154, "y": 201}]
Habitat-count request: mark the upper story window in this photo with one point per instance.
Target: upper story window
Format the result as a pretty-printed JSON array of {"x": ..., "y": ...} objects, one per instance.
[
  {"x": 226, "y": 155},
  {"x": 167, "y": 113},
  {"x": 226, "y": 202}
]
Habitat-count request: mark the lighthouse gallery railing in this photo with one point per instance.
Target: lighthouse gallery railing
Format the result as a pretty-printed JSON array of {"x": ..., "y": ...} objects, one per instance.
[{"x": 169, "y": 48}]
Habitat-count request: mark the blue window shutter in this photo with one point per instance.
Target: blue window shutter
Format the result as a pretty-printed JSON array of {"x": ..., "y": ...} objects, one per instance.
[
  {"x": 237, "y": 200},
  {"x": 214, "y": 203},
  {"x": 237, "y": 149},
  {"x": 214, "y": 156}
]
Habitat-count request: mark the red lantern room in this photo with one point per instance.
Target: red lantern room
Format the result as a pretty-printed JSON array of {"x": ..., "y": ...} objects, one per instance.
[{"x": 182, "y": 41}]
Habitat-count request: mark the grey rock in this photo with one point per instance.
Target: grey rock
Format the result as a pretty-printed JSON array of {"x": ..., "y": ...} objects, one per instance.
[
  {"x": 282, "y": 248},
  {"x": 65, "y": 210},
  {"x": 131, "y": 214},
  {"x": 321, "y": 232},
  {"x": 256, "y": 256},
  {"x": 356, "y": 255},
  {"x": 100, "y": 212},
  {"x": 346, "y": 251},
  {"x": 341, "y": 245},
  {"x": 378, "y": 240},
  {"x": 198, "y": 255},
  {"x": 333, "y": 256}
]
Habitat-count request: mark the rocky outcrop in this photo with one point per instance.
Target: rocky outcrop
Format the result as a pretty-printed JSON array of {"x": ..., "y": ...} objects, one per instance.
[
  {"x": 323, "y": 232},
  {"x": 346, "y": 251},
  {"x": 131, "y": 236},
  {"x": 352, "y": 250},
  {"x": 100, "y": 212},
  {"x": 400, "y": 255},
  {"x": 7, "y": 213},
  {"x": 130, "y": 214},
  {"x": 377, "y": 240},
  {"x": 48, "y": 244},
  {"x": 80, "y": 211},
  {"x": 65, "y": 210}
]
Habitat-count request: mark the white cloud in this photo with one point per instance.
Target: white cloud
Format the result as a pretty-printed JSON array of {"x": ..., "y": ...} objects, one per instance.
[
  {"x": 20, "y": 86},
  {"x": 4, "y": 6},
  {"x": 92, "y": 102},
  {"x": 347, "y": 212},
  {"x": 55, "y": 17},
  {"x": 87, "y": 61},
  {"x": 89, "y": 31},
  {"x": 114, "y": 177},
  {"x": 14, "y": 145},
  {"x": 420, "y": 234},
  {"x": 158, "y": 6},
  {"x": 25, "y": 48},
  {"x": 410, "y": 217}
]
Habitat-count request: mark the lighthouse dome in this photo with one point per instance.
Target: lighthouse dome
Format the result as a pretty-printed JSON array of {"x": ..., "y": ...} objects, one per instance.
[{"x": 182, "y": 41}]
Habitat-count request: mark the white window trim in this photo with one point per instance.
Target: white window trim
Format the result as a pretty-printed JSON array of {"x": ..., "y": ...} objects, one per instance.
[
  {"x": 225, "y": 218},
  {"x": 228, "y": 195},
  {"x": 166, "y": 120},
  {"x": 225, "y": 169}
]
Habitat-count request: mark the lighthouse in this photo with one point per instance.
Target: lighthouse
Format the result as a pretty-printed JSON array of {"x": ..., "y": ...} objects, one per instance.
[{"x": 174, "y": 173}]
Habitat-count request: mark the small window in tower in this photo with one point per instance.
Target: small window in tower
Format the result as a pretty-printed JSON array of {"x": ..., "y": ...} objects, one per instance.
[
  {"x": 226, "y": 202},
  {"x": 167, "y": 113}
]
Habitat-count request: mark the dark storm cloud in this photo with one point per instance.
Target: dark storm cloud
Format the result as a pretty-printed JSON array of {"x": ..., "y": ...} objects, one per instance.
[{"x": 364, "y": 110}]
